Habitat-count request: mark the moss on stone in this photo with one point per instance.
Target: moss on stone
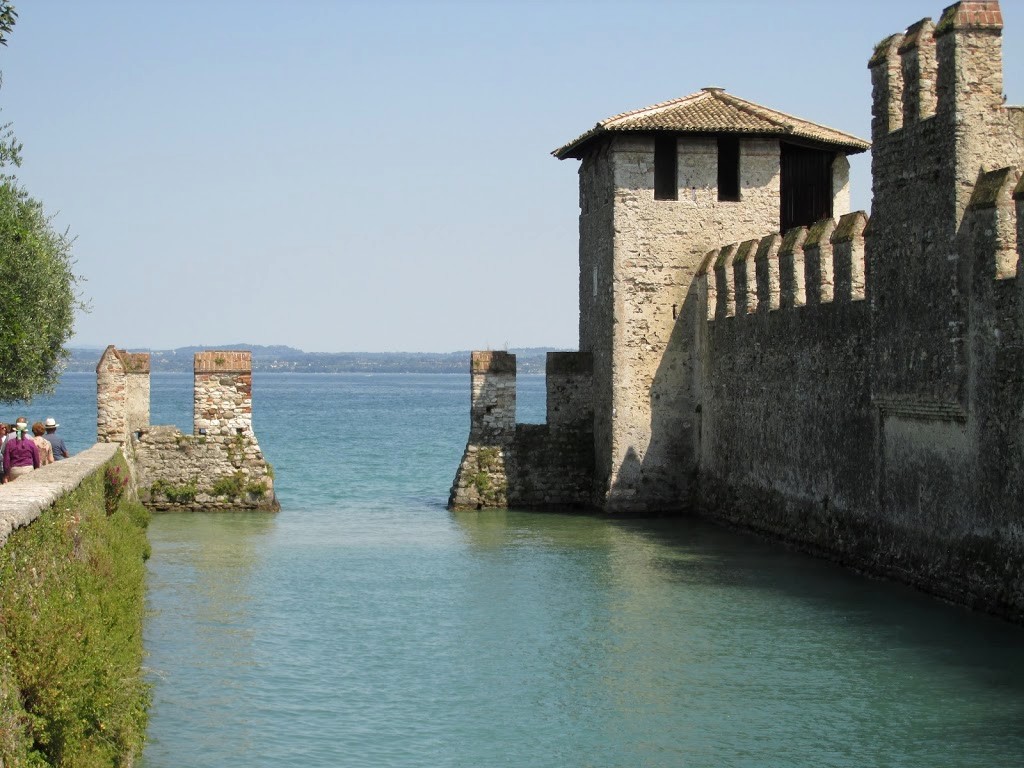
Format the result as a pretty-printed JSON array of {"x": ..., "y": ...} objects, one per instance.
[
  {"x": 793, "y": 239},
  {"x": 745, "y": 251},
  {"x": 850, "y": 226},
  {"x": 766, "y": 246},
  {"x": 819, "y": 233},
  {"x": 881, "y": 51}
]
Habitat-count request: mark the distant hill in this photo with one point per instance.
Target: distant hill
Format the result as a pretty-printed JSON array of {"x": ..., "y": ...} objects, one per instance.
[{"x": 285, "y": 359}]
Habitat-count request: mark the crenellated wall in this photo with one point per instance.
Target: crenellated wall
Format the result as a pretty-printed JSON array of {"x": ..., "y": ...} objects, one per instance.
[
  {"x": 795, "y": 441},
  {"x": 219, "y": 466},
  {"x": 938, "y": 119},
  {"x": 784, "y": 361},
  {"x": 527, "y": 465}
]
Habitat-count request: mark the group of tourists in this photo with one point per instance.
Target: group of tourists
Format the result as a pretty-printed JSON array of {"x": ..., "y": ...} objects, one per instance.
[{"x": 25, "y": 449}]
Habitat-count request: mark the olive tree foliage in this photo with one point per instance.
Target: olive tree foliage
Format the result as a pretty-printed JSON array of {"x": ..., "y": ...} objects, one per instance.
[
  {"x": 7, "y": 18},
  {"x": 38, "y": 298},
  {"x": 38, "y": 295}
]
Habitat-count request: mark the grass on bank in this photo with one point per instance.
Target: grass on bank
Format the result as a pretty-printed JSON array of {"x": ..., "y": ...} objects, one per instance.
[{"x": 72, "y": 591}]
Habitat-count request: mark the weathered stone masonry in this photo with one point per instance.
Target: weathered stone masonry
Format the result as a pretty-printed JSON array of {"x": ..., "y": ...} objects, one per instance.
[
  {"x": 219, "y": 466},
  {"x": 853, "y": 387},
  {"x": 527, "y": 465}
]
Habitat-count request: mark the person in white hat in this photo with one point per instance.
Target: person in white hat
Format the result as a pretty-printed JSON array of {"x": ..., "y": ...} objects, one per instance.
[{"x": 60, "y": 451}]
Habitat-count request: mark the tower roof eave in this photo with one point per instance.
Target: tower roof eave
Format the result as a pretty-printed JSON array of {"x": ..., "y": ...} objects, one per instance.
[{"x": 711, "y": 112}]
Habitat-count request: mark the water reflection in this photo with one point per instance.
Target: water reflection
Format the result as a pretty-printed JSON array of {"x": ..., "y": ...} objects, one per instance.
[
  {"x": 201, "y": 631},
  {"x": 729, "y": 643}
]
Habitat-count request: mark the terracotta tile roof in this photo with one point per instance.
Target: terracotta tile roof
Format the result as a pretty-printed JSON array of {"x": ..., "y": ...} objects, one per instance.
[{"x": 713, "y": 111}]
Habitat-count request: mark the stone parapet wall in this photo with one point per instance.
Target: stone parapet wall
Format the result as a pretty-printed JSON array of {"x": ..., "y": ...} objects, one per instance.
[
  {"x": 885, "y": 433},
  {"x": 570, "y": 391},
  {"x": 822, "y": 264},
  {"x": 798, "y": 443},
  {"x": 22, "y": 501},
  {"x": 551, "y": 467},
  {"x": 938, "y": 118}
]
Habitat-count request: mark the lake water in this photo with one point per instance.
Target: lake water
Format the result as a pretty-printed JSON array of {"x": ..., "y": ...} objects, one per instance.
[{"x": 365, "y": 625}]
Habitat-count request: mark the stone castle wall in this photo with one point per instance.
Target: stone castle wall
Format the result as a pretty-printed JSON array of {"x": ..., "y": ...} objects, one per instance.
[
  {"x": 871, "y": 414},
  {"x": 852, "y": 387},
  {"x": 796, "y": 442},
  {"x": 219, "y": 466}
]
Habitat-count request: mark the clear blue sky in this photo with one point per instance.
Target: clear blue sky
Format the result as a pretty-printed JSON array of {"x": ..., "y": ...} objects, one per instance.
[{"x": 353, "y": 176}]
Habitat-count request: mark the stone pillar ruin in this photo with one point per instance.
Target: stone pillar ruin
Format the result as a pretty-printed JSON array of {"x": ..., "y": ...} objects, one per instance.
[
  {"x": 482, "y": 480},
  {"x": 122, "y": 394},
  {"x": 493, "y": 395},
  {"x": 111, "y": 398},
  {"x": 223, "y": 394}
]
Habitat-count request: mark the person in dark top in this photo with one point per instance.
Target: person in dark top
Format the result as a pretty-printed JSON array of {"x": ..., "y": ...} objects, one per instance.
[
  {"x": 20, "y": 453},
  {"x": 60, "y": 451}
]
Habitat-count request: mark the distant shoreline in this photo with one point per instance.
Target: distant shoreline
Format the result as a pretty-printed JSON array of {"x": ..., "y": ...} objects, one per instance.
[{"x": 289, "y": 360}]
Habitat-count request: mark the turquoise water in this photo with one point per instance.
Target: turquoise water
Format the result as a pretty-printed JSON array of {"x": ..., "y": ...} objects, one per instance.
[{"x": 365, "y": 625}]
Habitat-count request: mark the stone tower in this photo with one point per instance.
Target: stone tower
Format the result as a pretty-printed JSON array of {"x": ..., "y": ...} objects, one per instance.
[{"x": 659, "y": 187}]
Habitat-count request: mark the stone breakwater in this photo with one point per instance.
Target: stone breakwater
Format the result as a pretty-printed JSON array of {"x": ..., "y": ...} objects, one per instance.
[
  {"x": 24, "y": 500},
  {"x": 219, "y": 466}
]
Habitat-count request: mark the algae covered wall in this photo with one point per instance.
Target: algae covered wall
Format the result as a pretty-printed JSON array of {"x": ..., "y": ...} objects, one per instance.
[{"x": 787, "y": 431}]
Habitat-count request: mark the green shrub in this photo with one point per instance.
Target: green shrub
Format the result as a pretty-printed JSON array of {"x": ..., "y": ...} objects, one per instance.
[
  {"x": 72, "y": 592},
  {"x": 256, "y": 489},
  {"x": 229, "y": 485},
  {"x": 176, "y": 494}
]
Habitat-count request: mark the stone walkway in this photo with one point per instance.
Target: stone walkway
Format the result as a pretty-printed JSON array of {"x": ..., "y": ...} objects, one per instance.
[{"x": 24, "y": 500}]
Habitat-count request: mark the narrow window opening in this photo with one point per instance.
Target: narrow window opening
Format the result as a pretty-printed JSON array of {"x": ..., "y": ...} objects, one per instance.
[
  {"x": 728, "y": 168},
  {"x": 666, "y": 159}
]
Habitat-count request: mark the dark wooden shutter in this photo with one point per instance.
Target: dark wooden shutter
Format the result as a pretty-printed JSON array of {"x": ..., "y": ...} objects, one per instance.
[{"x": 806, "y": 193}]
